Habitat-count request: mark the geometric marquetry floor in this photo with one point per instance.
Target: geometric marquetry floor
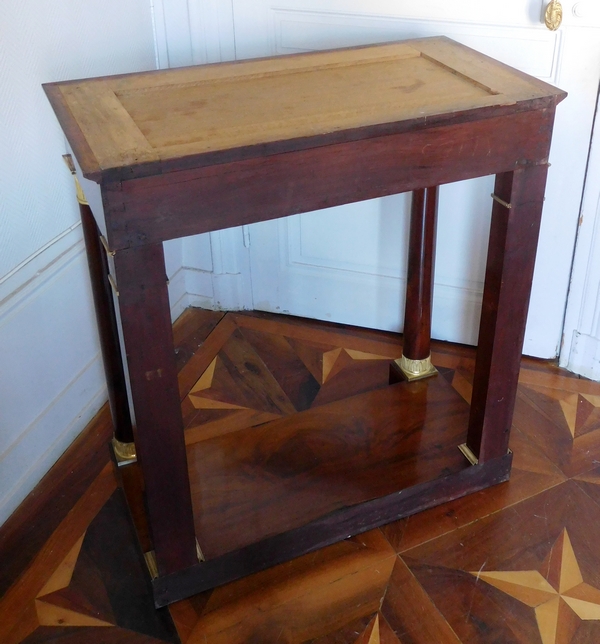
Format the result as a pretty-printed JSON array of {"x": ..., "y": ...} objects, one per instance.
[{"x": 519, "y": 562}]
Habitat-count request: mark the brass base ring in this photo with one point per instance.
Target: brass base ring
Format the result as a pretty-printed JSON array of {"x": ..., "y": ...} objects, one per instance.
[
  {"x": 416, "y": 369},
  {"x": 124, "y": 452}
]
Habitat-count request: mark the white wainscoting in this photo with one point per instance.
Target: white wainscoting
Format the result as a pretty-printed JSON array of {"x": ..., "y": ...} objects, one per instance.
[
  {"x": 51, "y": 377},
  {"x": 581, "y": 341},
  {"x": 530, "y": 49},
  {"x": 51, "y": 381}
]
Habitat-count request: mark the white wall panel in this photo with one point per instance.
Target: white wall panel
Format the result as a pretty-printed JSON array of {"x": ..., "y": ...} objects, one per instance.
[
  {"x": 530, "y": 49},
  {"x": 581, "y": 342},
  {"x": 42, "y": 42},
  {"x": 51, "y": 380}
]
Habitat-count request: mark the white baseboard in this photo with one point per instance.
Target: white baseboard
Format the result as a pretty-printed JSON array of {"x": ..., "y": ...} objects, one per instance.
[
  {"x": 584, "y": 358},
  {"x": 216, "y": 291},
  {"x": 205, "y": 289},
  {"x": 178, "y": 296}
]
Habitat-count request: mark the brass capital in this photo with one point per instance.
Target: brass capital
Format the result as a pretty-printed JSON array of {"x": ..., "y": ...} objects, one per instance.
[{"x": 78, "y": 189}]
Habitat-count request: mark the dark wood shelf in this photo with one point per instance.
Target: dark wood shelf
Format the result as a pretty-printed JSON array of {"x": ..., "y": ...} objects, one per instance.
[
  {"x": 265, "y": 480},
  {"x": 295, "y": 439}
]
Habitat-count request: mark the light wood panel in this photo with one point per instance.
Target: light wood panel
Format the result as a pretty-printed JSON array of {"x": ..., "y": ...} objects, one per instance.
[
  {"x": 149, "y": 118},
  {"x": 206, "y": 116}
]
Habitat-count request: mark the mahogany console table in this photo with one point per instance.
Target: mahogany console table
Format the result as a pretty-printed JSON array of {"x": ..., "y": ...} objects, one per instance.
[{"x": 172, "y": 153}]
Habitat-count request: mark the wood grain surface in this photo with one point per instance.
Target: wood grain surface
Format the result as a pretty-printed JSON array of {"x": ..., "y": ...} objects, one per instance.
[
  {"x": 516, "y": 563},
  {"x": 163, "y": 206},
  {"x": 160, "y": 447},
  {"x": 142, "y": 122},
  {"x": 509, "y": 273}
]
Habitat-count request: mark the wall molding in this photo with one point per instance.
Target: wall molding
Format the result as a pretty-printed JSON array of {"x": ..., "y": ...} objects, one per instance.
[
  {"x": 43, "y": 405},
  {"x": 289, "y": 33},
  {"x": 52, "y": 383},
  {"x": 19, "y": 471},
  {"x": 581, "y": 332},
  {"x": 33, "y": 267}
]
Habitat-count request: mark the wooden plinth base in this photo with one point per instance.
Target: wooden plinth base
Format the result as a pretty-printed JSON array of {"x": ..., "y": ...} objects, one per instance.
[
  {"x": 296, "y": 440},
  {"x": 266, "y": 494},
  {"x": 328, "y": 529}
]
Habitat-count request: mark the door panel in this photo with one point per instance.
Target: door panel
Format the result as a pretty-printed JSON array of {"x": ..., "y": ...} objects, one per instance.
[
  {"x": 533, "y": 50},
  {"x": 348, "y": 264}
]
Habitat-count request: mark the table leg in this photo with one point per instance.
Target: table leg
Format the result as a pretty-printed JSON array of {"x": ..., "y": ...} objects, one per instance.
[
  {"x": 415, "y": 362},
  {"x": 109, "y": 336},
  {"x": 108, "y": 331},
  {"x": 148, "y": 337},
  {"x": 518, "y": 200}
]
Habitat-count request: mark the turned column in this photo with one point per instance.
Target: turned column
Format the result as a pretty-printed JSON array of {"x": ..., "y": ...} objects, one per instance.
[
  {"x": 415, "y": 362},
  {"x": 108, "y": 332}
]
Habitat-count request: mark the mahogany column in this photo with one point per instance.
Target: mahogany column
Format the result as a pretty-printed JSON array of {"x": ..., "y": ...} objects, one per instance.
[
  {"x": 148, "y": 338},
  {"x": 516, "y": 215},
  {"x": 108, "y": 331},
  {"x": 416, "y": 354},
  {"x": 107, "y": 328}
]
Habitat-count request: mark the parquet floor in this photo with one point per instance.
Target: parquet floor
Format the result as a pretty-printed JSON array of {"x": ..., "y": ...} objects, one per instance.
[{"x": 519, "y": 562}]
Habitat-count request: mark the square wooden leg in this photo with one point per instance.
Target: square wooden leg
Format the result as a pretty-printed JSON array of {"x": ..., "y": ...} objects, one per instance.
[
  {"x": 516, "y": 216},
  {"x": 148, "y": 338}
]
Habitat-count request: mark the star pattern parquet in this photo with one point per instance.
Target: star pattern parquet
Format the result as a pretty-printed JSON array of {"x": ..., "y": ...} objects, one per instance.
[
  {"x": 516, "y": 581},
  {"x": 517, "y": 563},
  {"x": 89, "y": 583},
  {"x": 562, "y": 417},
  {"x": 261, "y": 372},
  {"x": 557, "y": 585}
]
